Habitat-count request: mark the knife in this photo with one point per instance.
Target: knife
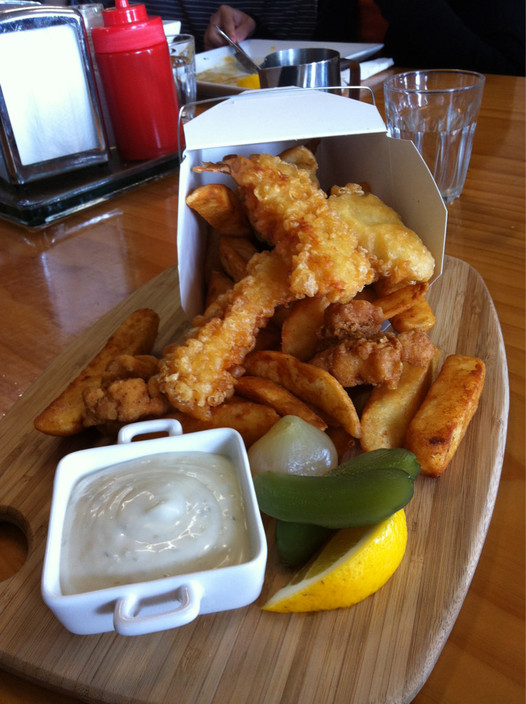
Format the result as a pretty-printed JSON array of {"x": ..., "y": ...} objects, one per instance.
[{"x": 242, "y": 57}]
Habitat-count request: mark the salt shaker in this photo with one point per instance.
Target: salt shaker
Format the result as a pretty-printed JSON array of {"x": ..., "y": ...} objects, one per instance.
[{"x": 132, "y": 56}]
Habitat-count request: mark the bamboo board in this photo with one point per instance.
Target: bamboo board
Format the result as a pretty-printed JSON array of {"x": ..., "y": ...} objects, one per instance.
[{"x": 377, "y": 652}]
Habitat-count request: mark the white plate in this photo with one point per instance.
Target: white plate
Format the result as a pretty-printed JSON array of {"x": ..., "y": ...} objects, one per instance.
[{"x": 257, "y": 49}]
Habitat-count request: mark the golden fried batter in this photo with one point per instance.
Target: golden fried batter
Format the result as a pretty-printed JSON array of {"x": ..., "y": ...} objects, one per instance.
[
  {"x": 201, "y": 373},
  {"x": 291, "y": 213},
  {"x": 400, "y": 254},
  {"x": 123, "y": 401}
]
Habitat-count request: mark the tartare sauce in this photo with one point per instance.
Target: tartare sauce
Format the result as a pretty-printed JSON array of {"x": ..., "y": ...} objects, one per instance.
[{"x": 153, "y": 517}]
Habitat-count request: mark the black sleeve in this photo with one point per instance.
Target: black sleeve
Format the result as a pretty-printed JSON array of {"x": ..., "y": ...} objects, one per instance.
[{"x": 479, "y": 35}]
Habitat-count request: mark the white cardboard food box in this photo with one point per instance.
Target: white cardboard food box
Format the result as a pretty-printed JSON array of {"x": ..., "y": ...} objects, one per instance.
[{"x": 354, "y": 147}]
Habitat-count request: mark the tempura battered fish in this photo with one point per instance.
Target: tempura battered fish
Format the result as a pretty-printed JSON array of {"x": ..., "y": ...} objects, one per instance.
[
  {"x": 291, "y": 213},
  {"x": 201, "y": 372},
  {"x": 400, "y": 254}
]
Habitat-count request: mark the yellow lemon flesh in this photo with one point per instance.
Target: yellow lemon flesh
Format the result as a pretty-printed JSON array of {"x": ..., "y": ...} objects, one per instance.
[
  {"x": 251, "y": 81},
  {"x": 354, "y": 564}
]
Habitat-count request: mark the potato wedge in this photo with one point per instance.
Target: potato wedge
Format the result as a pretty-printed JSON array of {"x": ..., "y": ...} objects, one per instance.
[
  {"x": 135, "y": 336},
  {"x": 436, "y": 430},
  {"x": 218, "y": 283},
  {"x": 311, "y": 384},
  {"x": 251, "y": 420},
  {"x": 299, "y": 330},
  {"x": 388, "y": 412},
  {"x": 419, "y": 317},
  {"x": 221, "y": 208},
  {"x": 235, "y": 253},
  {"x": 402, "y": 299},
  {"x": 303, "y": 158},
  {"x": 271, "y": 394}
]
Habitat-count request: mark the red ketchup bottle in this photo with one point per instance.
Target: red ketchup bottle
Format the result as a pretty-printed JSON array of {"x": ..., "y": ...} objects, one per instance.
[{"x": 134, "y": 64}]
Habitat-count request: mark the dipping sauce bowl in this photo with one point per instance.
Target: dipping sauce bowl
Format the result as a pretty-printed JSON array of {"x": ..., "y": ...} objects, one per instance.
[{"x": 145, "y": 536}]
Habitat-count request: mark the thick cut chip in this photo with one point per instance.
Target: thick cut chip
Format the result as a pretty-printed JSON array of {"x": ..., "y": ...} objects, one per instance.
[
  {"x": 312, "y": 384},
  {"x": 388, "y": 412},
  {"x": 299, "y": 332},
  {"x": 221, "y": 209},
  {"x": 271, "y": 394},
  {"x": 419, "y": 317},
  {"x": 402, "y": 299},
  {"x": 440, "y": 423},
  {"x": 135, "y": 336}
]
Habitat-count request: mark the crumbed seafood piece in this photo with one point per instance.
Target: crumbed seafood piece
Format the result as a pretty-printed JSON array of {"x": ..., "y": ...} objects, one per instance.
[
  {"x": 400, "y": 253},
  {"x": 364, "y": 361},
  {"x": 123, "y": 401},
  {"x": 292, "y": 214},
  {"x": 377, "y": 360},
  {"x": 201, "y": 372},
  {"x": 356, "y": 319}
]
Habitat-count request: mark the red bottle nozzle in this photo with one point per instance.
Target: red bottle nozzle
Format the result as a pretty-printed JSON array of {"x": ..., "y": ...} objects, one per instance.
[{"x": 123, "y": 13}]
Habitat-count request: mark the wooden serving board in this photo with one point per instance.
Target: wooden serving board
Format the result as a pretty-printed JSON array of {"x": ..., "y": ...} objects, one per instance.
[{"x": 381, "y": 650}]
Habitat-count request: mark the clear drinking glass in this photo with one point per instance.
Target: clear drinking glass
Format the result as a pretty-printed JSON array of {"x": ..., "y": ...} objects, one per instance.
[
  {"x": 182, "y": 56},
  {"x": 437, "y": 110}
]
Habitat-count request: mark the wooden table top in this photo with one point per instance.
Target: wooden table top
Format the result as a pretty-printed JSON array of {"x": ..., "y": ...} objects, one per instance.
[{"x": 56, "y": 282}]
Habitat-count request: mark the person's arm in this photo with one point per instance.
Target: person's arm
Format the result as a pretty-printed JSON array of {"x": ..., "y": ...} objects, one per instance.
[
  {"x": 481, "y": 35},
  {"x": 237, "y": 24}
]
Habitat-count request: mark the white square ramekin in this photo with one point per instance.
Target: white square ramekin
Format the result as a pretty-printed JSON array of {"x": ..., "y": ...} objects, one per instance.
[{"x": 160, "y": 604}]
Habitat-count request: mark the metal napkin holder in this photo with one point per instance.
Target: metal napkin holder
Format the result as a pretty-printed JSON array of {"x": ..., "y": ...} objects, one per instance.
[{"x": 50, "y": 116}]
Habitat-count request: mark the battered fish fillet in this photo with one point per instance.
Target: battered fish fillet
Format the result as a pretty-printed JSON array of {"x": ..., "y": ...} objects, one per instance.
[
  {"x": 292, "y": 213},
  {"x": 201, "y": 373},
  {"x": 400, "y": 254}
]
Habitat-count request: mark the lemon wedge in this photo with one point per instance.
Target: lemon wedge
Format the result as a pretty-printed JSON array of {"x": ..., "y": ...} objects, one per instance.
[
  {"x": 354, "y": 564},
  {"x": 251, "y": 81}
]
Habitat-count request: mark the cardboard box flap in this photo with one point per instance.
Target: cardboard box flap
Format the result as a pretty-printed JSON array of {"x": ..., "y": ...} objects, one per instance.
[{"x": 280, "y": 114}]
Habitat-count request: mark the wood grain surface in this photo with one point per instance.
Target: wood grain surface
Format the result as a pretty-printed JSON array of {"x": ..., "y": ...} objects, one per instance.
[
  {"x": 57, "y": 282},
  {"x": 392, "y": 638}
]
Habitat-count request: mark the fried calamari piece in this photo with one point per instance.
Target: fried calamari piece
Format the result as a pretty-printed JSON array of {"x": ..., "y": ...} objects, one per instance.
[
  {"x": 292, "y": 214},
  {"x": 136, "y": 335},
  {"x": 201, "y": 373},
  {"x": 123, "y": 401},
  {"x": 400, "y": 254},
  {"x": 221, "y": 208}
]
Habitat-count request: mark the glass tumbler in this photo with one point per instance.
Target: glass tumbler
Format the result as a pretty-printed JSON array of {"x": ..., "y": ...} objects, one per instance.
[{"x": 437, "y": 110}]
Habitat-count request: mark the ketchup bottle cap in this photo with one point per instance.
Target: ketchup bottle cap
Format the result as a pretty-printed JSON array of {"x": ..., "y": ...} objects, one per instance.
[
  {"x": 127, "y": 28},
  {"x": 123, "y": 13}
]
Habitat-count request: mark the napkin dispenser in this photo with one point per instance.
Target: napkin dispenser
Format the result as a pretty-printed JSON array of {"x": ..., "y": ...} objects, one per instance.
[{"x": 50, "y": 116}]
